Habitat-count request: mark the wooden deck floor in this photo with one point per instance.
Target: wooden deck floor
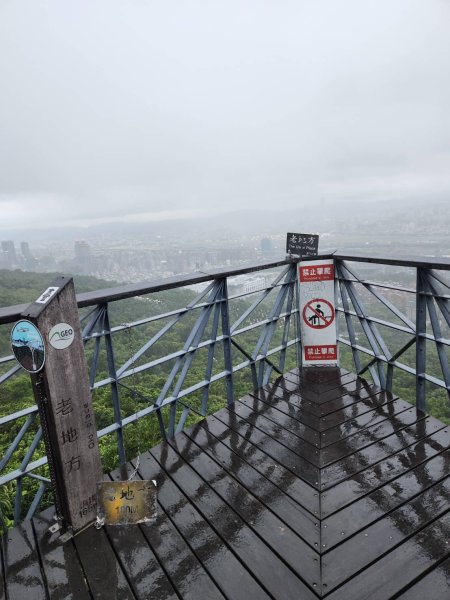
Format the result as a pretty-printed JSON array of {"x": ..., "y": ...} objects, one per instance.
[{"x": 320, "y": 486}]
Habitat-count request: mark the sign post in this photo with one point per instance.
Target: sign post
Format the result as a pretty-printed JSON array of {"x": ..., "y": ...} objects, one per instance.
[
  {"x": 317, "y": 312},
  {"x": 62, "y": 393}
]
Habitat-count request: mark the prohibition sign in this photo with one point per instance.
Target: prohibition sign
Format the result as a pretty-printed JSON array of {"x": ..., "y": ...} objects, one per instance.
[{"x": 318, "y": 313}]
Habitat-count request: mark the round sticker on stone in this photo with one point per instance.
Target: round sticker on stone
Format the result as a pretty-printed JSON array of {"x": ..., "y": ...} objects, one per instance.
[
  {"x": 28, "y": 346},
  {"x": 61, "y": 336}
]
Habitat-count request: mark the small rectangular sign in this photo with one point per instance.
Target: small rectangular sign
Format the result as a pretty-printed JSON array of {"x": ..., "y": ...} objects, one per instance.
[
  {"x": 126, "y": 502},
  {"x": 302, "y": 244},
  {"x": 317, "y": 312},
  {"x": 321, "y": 353},
  {"x": 320, "y": 273},
  {"x": 47, "y": 295}
]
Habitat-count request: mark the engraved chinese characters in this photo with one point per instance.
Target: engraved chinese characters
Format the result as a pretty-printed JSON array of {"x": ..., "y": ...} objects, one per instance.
[{"x": 126, "y": 502}]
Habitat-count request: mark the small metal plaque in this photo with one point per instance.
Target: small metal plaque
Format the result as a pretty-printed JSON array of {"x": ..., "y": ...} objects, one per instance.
[{"x": 126, "y": 502}]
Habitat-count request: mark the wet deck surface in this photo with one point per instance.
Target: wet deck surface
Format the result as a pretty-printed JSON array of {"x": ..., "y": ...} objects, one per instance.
[{"x": 319, "y": 485}]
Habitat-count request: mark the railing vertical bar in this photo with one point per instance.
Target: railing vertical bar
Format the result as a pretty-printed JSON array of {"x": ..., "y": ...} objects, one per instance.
[
  {"x": 348, "y": 320},
  {"x": 211, "y": 351},
  {"x": 94, "y": 364},
  {"x": 162, "y": 428},
  {"x": 226, "y": 332},
  {"x": 36, "y": 500},
  {"x": 172, "y": 419},
  {"x": 421, "y": 328},
  {"x": 287, "y": 322},
  {"x": 18, "y": 501},
  {"x": 437, "y": 334},
  {"x": 115, "y": 395},
  {"x": 390, "y": 377}
]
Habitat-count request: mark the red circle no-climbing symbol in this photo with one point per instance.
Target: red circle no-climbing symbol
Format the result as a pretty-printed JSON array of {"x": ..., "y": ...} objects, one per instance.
[{"x": 318, "y": 313}]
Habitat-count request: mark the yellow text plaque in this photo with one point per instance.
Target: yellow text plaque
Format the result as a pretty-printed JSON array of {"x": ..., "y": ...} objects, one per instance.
[{"x": 126, "y": 502}]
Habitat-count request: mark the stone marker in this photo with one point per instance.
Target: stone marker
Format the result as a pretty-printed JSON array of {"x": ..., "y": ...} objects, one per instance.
[{"x": 64, "y": 400}]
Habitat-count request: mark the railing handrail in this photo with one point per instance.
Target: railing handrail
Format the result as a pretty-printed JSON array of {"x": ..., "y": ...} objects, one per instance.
[{"x": 425, "y": 262}]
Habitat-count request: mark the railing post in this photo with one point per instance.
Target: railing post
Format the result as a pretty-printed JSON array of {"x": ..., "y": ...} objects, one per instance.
[
  {"x": 115, "y": 396},
  {"x": 226, "y": 332},
  {"x": 298, "y": 327},
  {"x": 421, "y": 327}
]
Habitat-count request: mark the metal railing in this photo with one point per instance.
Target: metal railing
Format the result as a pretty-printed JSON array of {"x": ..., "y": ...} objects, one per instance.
[
  {"x": 180, "y": 364},
  {"x": 135, "y": 363},
  {"x": 425, "y": 295}
]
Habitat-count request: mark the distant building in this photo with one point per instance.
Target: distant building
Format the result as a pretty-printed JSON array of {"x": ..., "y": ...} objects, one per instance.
[
  {"x": 254, "y": 285},
  {"x": 266, "y": 246},
  {"x": 82, "y": 261},
  {"x": 82, "y": 250},
  {"x": 9, "y": 258},
  {"x": 25, "y": 250}
]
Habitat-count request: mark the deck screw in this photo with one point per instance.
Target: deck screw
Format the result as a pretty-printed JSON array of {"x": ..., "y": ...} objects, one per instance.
[
  {"x": 316, "y": 544},
  {"x": 314, "y": 584},
  {"x": 366, "y": 535},
  {"x": 324, "y": 545},
  {"x": 325, "y": 526},
  {"x": 342, "y": 532}
]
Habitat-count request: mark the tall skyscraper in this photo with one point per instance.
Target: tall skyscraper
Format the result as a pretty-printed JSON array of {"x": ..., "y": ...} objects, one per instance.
[{"x": 9, "y": 254}]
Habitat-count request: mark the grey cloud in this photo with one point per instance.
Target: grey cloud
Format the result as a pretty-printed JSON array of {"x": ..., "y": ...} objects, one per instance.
[{"x": 113, "y": 108}]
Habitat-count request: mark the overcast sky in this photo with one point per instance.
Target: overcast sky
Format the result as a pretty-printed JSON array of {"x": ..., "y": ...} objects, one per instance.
[{"x": 147, "y": 109}]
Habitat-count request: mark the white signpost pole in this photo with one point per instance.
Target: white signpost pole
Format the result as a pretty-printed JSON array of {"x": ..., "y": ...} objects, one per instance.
[{"x": 317, "y": 312}]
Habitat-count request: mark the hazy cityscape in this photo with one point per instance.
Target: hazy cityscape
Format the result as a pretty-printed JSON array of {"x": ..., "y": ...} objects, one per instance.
[{"x": 136, "y": 252}]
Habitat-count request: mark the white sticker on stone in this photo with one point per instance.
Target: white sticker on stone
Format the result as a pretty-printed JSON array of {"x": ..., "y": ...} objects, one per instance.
[
  {"x": 61, "y": 336},
  {"x": 47, "y": 295}
]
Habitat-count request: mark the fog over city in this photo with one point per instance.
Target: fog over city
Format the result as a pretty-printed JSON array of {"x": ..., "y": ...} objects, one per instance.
[{"x": 127, "y": 112}]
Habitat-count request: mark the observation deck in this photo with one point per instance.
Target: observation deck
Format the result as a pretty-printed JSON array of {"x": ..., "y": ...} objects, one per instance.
[
  {"x": 318, "y": 485},
  {"x": 322, "y": 482}
]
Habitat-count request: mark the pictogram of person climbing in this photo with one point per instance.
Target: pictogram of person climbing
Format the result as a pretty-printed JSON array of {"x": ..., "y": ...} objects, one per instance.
[{"x": 318, "y": 313}]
